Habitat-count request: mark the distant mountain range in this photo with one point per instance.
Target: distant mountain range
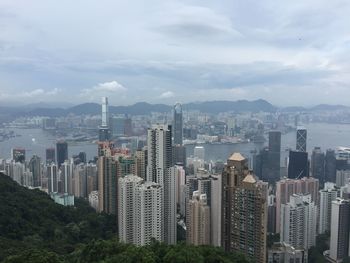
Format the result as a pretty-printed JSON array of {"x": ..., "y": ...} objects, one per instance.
[{"x": 213, "y": 107}]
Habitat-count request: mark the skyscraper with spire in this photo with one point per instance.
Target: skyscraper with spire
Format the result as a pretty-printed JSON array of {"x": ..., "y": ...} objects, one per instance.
[
  {"x": 104, "y": 133},
  {"x": 178, "y": 126}
]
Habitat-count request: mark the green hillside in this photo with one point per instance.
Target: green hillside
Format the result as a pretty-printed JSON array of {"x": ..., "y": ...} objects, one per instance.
[{"x": 35, "y": 229}]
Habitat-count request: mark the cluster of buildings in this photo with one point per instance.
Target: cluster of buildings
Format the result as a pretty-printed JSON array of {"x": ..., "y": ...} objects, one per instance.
[{"x": 155, "y": 191}]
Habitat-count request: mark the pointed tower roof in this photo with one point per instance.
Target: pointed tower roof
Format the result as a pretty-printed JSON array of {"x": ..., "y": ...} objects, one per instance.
[
  {"x": 237, "y": 157},
  {"x": 249, "y": 179}
]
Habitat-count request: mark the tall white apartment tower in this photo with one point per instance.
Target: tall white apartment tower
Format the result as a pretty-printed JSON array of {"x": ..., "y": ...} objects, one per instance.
[
  {"x": 126, "y": 204},
  {"x": 327, "y": 195},
  {"x": 298, "y": 222},
  {"x": 148, "y": 214},
  {"x": 160, "y": 171}
]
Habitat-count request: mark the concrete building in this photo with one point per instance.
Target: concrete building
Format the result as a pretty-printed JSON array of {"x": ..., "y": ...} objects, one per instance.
[
  {"x": 161, "y": 171},
  {"x": 104, "y": 129},
  {"x": 342, "y": 177},
  {"x": 149, "y": 213},
  {"x": 199, "y": 152},
  {"x": 93, "y": 199},
  {"x": 327, "y": 196},
  {"x": 301, "y": 139},
  {"x": 35, "y": 168},
  {"x": 126, "y": 203},
  {"x": 178, "y": 124},
  {"x": 215, "y": 209},
  {"x": 198, "y": 220},
  {"x": 62, "y": 152},
  {"x": 286, "y": 187},
  {"x": 244, "y": 210},
  {"x": 52, "y": 176},
  {"x": 298, "y": 222},
  {"x": 318, "y": 165},
  {"x": 339, "y": 241},
  {"x": 285, "y": 253}
]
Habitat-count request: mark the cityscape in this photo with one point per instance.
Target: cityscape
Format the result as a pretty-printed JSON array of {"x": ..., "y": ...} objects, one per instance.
[
  {"x": 268, "y": 203},
  {"x": 174, "y": 131}
]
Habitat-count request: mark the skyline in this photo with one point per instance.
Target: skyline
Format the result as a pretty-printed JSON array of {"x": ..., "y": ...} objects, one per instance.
[{"x": 164, "y": 52}]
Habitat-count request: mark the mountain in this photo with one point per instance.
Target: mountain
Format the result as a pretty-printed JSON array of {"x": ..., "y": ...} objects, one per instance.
[
  {"x": 211, "y": 107},
  {"x": 35, "y": 229}
]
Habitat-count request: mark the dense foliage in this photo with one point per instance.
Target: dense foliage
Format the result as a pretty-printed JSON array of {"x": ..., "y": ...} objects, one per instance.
[
  {"x": 29, "y": 219},
  {"x": 35, "y": 229}
]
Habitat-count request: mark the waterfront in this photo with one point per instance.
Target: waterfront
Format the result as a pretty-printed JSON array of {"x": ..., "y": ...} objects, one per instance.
[{"x": 324, "y": 135}]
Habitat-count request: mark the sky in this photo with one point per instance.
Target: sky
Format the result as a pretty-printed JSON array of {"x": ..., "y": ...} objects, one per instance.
[{"x": 158, "y": 51}]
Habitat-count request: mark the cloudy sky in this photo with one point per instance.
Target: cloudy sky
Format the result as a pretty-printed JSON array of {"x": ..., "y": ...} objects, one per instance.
[{"x": 287, "y": 52}]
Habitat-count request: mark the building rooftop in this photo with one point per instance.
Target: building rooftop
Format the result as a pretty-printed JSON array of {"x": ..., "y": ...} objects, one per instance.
[
  {"x": 237, "y": 157},
  {"x": 249, "y": 179}
]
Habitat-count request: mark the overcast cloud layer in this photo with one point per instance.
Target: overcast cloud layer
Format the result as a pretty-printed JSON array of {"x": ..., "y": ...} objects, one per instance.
[{"x": 287, "y": 52}]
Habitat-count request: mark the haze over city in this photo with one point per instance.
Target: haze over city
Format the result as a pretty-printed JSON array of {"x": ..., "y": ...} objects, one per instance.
[{"x": 289, "y": 53}]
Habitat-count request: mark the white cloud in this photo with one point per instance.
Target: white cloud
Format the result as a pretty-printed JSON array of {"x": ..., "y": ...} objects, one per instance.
[
  {"x": 112, "y": 86},
  {"x": 167, "y": 95}
]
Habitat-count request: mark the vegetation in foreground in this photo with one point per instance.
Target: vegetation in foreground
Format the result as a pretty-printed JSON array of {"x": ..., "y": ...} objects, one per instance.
[{"x": 35, "y": 229}]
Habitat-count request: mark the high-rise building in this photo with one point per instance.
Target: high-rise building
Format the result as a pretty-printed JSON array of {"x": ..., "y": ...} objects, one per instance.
[
  {"x": 104, "y": 130},
  {"x": 18, "y": 155},
  {"x": 66, "y": 177},
  {"x": 198, "y": 220},
  {"x": 52, "y": 176},
  {"x": 342, "y": 177},
  {"x": 62, "y": 152},
  {"x": 199, "y": 152},
  {"x": 126, "y": 204},
  {"x": 318, "y": 165},
  {"x": 107, "y": 184},
  {"x": 298, "y": 166},
  {"x": 330, "y": 166},
  {"x": 283, "y": 253},
  {"x": 339, "y": 241},
  {"x": 35, "y": 169},
  {"x": 50, "y": 155},
  {"x": 149, "y": 213},
  {"x": 271, "y": 214},
  {"x": 301, "y": 139},
  {"x": 215, "y": 209},
  {"x": 327, "y": 195},
  {"x": 298, "y": 222},
  {"x": 285, "y": 188},
  {"x": 274, "y": 156},
  {"x": 178, "y": 120},
  {"x": 161, "y": 171},
  {"x": 244, "y": 210},
  {"x": 179, "y": 155},
  {"x": 141, "y": 163}
]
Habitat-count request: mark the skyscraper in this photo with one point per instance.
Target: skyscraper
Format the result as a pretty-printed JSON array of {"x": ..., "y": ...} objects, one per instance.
[
  {"x": 318, "y": 165},
  {"x": 298, "y": 222},
  {"x": 274, "y": 156},
  {"x": 198, "y": 220},
  {"x": 327, "y": 195},
  {"x": 298, "y": 166},
  {"x": 19, "y": 155},
  {"x": 160, "y": 170},
  {"x": 104, "y": 130},
  {"x": 62, "y": 152},
  {"x": 244, "y": 210},
  {"x": 107, "y": 184},
  {"x": 285, "y": 188},
  {"x": 35, "y": 169},
  {"x": 50, "y": 155},
  {"x": 330, "y": 166},
  {"x": 178, "y": 127},
  {"x": 127, "y": 203},
  {"x": 149, "y": 213},
  {"x": 339, "y": 241},
  {"x": 301, "y": 139},
  {"x": 51, "y": 172}
]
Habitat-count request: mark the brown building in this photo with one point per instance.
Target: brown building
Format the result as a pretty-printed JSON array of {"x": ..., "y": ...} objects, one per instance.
[
  {"x": 198, "y": 226},
  {"x": 244, "y": 210}
]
